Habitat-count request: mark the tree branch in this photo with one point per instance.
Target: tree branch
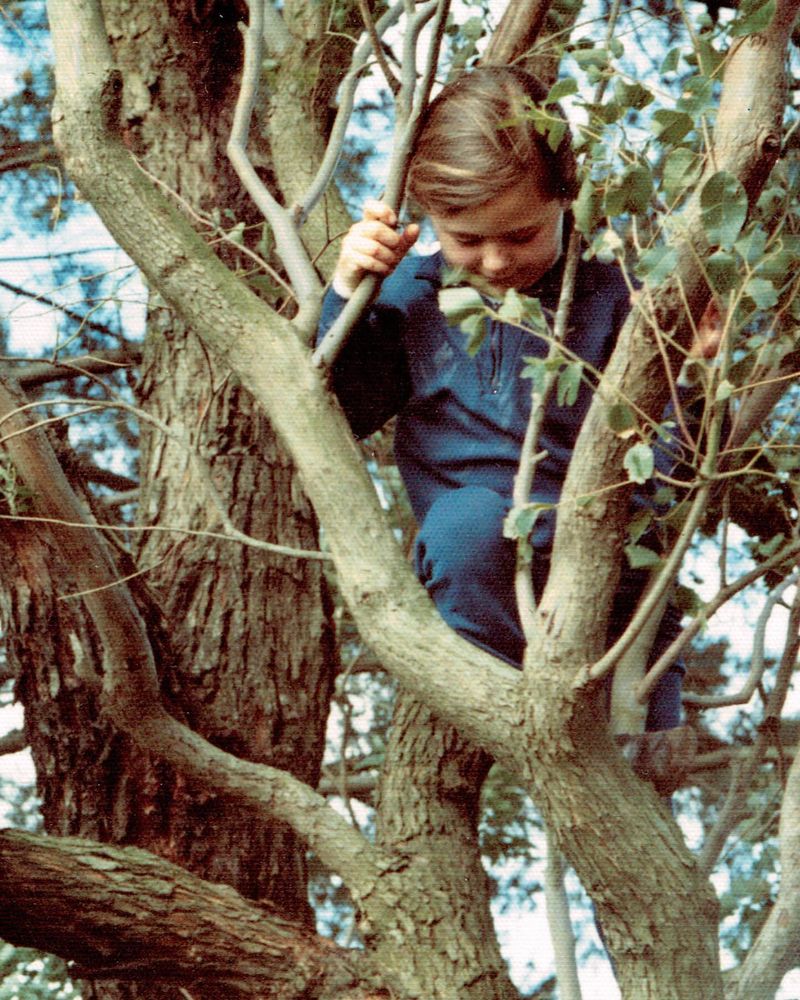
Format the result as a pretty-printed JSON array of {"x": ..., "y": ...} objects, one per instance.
[
  {"x": 130, "y": 685},
  {"x": 123, "y": 914},
  {"x": 38, "y": 373},
  {"x": 13, "y": 742}
]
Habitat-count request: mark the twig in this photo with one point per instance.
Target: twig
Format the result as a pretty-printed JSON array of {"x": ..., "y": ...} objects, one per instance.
[
  {"x": 523, "y": 481},
  {"x": 291, "y": 250},
  {"x": 391, "y": 80},
  {"x": 757, "y": 660},
  {"x": 13, "y": 742},
  {"x": 347, "y": 90},
  {"x": 766, "y": 733},
  {"x": 409, "y": 107}
]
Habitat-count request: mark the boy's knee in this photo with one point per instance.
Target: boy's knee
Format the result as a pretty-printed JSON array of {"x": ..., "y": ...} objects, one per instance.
[{"x": 463, "y": 530}]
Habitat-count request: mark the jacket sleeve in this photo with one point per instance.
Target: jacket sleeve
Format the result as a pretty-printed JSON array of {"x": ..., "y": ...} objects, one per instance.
[{"x": 370, "y": 376}]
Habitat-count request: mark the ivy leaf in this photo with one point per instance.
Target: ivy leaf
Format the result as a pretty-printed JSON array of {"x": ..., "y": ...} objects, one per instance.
[
  {"x": 723, "y": 271},
  {"x": 671, "y": 126},
  {"x": 754, "y": 16},
  {"x": 586, "y": 207},
  {"x": 639, "y": 463},
  {"x": 520, "y": 521},
  {"x": 569, "y": 382},
  {"x": 723, "y": 204},
  {"x": 459, "y": 303}
]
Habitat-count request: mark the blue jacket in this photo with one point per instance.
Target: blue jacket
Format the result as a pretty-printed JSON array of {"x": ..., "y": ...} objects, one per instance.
[{"x": 461, "y": 419}]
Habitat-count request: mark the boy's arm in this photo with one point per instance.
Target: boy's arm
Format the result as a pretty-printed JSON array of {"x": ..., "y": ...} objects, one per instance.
[{"x": 370, "y": 376}]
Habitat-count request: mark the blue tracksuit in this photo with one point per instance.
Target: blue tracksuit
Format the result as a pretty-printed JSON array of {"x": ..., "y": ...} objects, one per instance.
[{"x": 460, "y": 425}]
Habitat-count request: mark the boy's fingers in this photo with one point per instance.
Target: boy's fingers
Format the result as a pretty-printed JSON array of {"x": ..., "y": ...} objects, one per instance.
[{"x": 379, "y": 211}]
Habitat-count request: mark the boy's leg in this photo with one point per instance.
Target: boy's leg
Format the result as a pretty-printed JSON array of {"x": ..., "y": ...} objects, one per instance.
[{"x": 468, "y": 569}]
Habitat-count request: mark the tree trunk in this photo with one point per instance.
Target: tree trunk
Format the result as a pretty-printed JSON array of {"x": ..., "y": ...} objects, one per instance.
[{"x": 243, "y": 637}]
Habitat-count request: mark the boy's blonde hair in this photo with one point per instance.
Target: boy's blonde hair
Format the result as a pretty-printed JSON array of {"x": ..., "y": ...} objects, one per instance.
[{"x": 476, "y": 141}]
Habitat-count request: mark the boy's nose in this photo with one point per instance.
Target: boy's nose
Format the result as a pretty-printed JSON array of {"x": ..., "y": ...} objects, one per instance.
[{"x": 495, "y": 260}]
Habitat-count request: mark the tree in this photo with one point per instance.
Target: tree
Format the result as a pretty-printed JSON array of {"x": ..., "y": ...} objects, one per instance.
[{"x": 119, "y": 677}]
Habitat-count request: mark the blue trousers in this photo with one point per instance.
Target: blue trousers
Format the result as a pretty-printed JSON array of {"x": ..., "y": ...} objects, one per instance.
[{"x": 468, "y": 569}]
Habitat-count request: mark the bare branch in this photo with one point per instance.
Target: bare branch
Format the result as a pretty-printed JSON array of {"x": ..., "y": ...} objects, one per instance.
[
  {"x": 768, "y": 732},
  {"x": 409, "y": 106},
  {"x": 38, "y": 373},
  {"x": 121, "y": 913},
  {"x": 25, "y": 155},
  {"x": 757, "y": 659},
  {"x": 347, "y": 91},
  {"x": 517, "y": 32},
  {"x": 391, "y": 80},
  {"x": 558, "y": 919},
  {"x": 83, "y": 321},
  {"x": 294, "y": 255},
  {"x": 130, "y": 685},
  {"x": 13, "y": 742}
]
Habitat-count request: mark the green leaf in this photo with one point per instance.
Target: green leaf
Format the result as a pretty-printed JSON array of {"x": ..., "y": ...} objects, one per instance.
[
  {"x": 561, "y": 89},
  {"x": 639, "y": 525},
  {"x": 536, "y": 370},
  {"x": 569, "y": 382},
  {"x": 769, "y": 548},
  {"x": 753, "y": 16},
  {"x": 459, "y": 303},
  {"x": 671, "y": 126},
  {"x": 752, "y": 245},
  {"x": 724, "y": 391},
  {"x": 594, "y": 56},
  {"x": 632, "y": 95},
  {"x": 681, "y": 169},
  {"x": 697, "y": 96},
  {"x": 520, "y": 521},
  {"x": 671, "y": 61},
  {"x": 640, "y": 557},
  {"x": 586, "y": 207},
  {"x": 723, "y": 271},
  {"x": 723, "y": 203},
  {"x": 762, "y": 292},
  {"x": 474, "y": 328},
  {"x": 657, "y": 263},
  {"x": 621, "y": 419},
  {"x": 512, "y": 308},
  {"x": 639, "y": 463}
]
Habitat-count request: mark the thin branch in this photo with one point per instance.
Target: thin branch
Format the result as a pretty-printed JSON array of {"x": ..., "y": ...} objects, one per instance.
[
  {"x": 767, "y": 733},
  {"x": 391, "y": 80},
  {"x": 83, "y": 321},
  {"x": 529, "y": 459},
  {"x": 13, "y": 742},
  {"x": 562, "y": 934},
  {"x": 757, "y": 659},
  {"x": 409, "y": 106},
  {"x": 516, "y": 33},
  {"x": 305, "y": 283},
  {"x": 723, "y": 595},
  {"x": 25, "y": 155},
  {"x": 130, "y": 684},
  {"x": 230, "y": 531},
  {"x": 42, "y": 372},
  {"x": 347, "y": 90}
]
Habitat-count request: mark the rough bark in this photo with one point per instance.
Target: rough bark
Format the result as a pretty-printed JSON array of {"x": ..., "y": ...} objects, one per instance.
[
  {"x": 152, "y": 921},
  {"x": 427, "y": 820},
  {"x": 241, "y": 638}
]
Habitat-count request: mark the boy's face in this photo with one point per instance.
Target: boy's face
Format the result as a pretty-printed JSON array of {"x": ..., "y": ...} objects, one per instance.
[{"x": 510, "y": 241}]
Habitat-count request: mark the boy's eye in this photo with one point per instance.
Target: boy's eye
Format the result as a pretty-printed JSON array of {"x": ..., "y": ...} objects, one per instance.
[
  {"x": 468, "y": 241},
  {"x": 523, "y": 237}
]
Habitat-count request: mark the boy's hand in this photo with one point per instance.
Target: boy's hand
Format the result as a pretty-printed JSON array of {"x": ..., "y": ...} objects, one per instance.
[{"x": 372, "y": 246}]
